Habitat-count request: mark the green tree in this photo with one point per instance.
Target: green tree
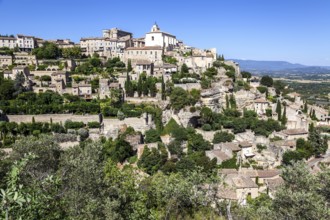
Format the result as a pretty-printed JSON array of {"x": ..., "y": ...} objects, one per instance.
[
  {"x": 284, "y": 118},
  {"x": 163, "y": 89},
  {"x": 266, "y": 81},
  {"x": 246, "y": 74},
  {"x": 179, "y": 98},
  {"x": 72, "y": 53},
  {"x": 232, "y": 102},
  {"x": 129, "y": 66},
  {"x": 223, "y": 136},
  {"x": 48, "y": 50},
  {"x": 184, "y": 68},
  {"x": 227, "y": 101},
  {"x": 152, "y": 136},
  {"x": 279, "y": 110}
]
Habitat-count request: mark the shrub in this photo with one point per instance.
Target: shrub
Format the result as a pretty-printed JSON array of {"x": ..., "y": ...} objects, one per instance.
[
  {"x": 152, "y": 136},
  {"x": 94, "y": 124},
  {"x": 207, "y": 127},
  {"x": 261, "y": 147},
  {"x": 262, "y": 89},
  {"x": 266, "y": 81},
  {"x": 73, "y": 124},
  {"x": 223, "y": 136},
  {"x": 120, "y": 115},
  {"x": 83, "y": 133},
  {"x": 60, "y": 138},
  {"x": 192, "y": 109}
]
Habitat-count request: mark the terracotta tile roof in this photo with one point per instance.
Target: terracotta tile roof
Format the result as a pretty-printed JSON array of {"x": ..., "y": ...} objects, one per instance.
[
  {"x": 249, "y": 172},
  {"x": 233, "y": 146},
  {"x": 274, "y": 183},
  {"x": 226, "y": 193},
  {"x": 245, "y": 144},
  {"x": 145, "y": 48},
  {"x": 228, "y": 171},
  {"x": 260, "y": 101},
  {"x": 219, "y": 154},
  {"x": 294, "y": 131},
  {"x": 240, "y": 181},
  {"x": 268, "y": 173}
]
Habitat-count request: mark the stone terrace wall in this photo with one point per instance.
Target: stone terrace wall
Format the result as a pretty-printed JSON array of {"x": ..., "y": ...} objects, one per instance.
[{"x": 55, "y": 117}]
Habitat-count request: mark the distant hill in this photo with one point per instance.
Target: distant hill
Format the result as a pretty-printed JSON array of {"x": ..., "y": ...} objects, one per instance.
[{"x": 280, "y": 68}]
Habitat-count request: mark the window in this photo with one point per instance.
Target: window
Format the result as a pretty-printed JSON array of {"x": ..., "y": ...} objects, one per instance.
[{"x": 152, "y": 38}]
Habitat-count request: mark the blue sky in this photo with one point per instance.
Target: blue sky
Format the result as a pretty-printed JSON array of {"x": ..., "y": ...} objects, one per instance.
[{"x": 292, "y": 30}]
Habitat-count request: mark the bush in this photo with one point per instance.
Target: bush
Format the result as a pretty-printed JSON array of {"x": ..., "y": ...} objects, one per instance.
[
  {"x": 192, "y": 109},
  {"x": 60, "y": 138},
  {"x": 120, "y": 115},
  {"x": 266, "y": 81},
  {"x": 152, "y": 136},
  {"x": 83, "y": 133},
  {"x": 262, "y": 89},
  {"x": 223, "y": 136},
  {"x": 261, "y": 147},
  {"x": 94, "y": 124},
  {"x": 73, "y": 124},
  {"x": 207, "y": 127}
]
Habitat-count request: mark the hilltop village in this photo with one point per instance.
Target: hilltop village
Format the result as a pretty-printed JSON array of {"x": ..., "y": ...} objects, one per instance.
[{"x": 159, "y": 105}]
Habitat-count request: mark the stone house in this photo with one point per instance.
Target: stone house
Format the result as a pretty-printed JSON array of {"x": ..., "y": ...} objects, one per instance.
[
  {"x": 228, "y": 148},
  {"x": 82, "y": 90},
  {"x": 247, "y": 150},
  {"x": 273, "y": 184},
  {"x": 218, "y": 154},
  {"x": 25, "y": 59},
  {"x": 264, "y": 175},
  {"x": 260, "y": 106},
  {"x": 5, "y": 60},
  {"x": 59, "y": 76},
  {"x": 243, "y": 185},
  {"x": 293, "y": 134}
]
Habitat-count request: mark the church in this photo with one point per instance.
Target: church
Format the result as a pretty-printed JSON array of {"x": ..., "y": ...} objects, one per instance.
[{"x": 156, "y": 37}]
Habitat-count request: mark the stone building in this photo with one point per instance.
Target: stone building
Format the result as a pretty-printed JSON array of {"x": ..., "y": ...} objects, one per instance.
[
  {"x": 82, "y": 90},
  {"x": 151, "y": 54},
  {"x": 25, "y": 59},
  {"x": 5, "y": 60},
  {"x": 112, "y": 44}
]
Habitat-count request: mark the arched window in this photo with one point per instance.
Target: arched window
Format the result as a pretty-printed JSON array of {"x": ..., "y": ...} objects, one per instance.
[{"x": 152, "y": 38}]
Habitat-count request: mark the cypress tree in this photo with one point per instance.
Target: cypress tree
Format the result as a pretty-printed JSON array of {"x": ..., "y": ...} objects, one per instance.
[
  {"x": 128, "y": 86},
  {"x": 129, "y": 65},
  {"x": 314, "y": 115},
  {"x": 163, "y": 89},
  {"x": 139, "y": 86},
  {"x": 232, "y": 102},
  {"x": 227, "y": 101},
  {"x": 305, "y": 110},
  {"x": 278, "y": 110},
  {"x": 284, "y": 118}
]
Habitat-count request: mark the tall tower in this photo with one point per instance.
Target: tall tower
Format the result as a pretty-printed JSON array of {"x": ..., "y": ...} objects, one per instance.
[{"x": 155, "y": 28}]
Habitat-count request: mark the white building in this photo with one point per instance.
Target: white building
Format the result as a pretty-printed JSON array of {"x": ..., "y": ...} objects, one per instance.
[
  {"x": 112, "y": 44},
  {"x": 260, "y": 106},
  {"x": 8, "y": 41},
  {"x": 159, "y": 38},
  {"x": 25, "y": 43}
]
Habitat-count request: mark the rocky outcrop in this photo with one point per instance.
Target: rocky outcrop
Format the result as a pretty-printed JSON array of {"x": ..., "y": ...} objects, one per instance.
[{"x": 183, "y": 117}]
